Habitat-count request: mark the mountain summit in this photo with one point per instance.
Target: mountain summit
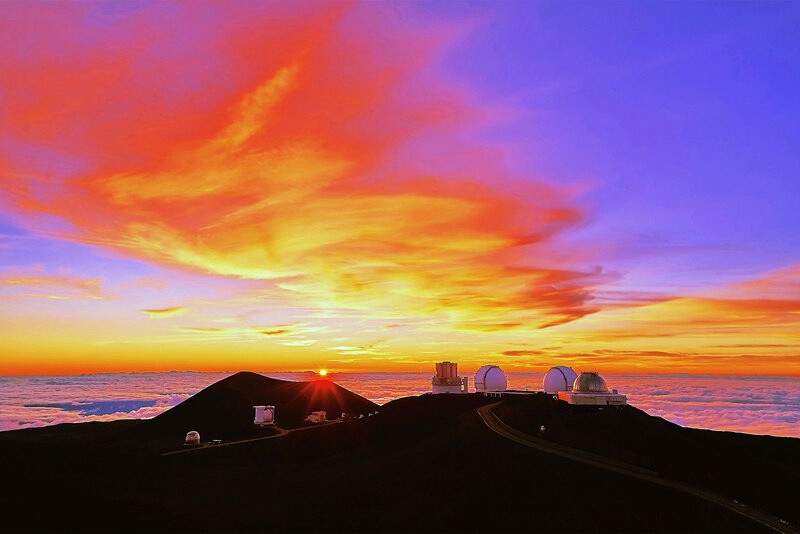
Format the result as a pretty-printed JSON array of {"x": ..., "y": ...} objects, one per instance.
[{"x": 225, "y": 409}]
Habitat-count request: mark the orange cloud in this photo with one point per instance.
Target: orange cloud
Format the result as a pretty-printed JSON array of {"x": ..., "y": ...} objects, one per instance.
[
  {"x": 165, "y": 312},
  {"x": 279, "y": 332},
  {"x": 523, "y": 353},
  {"x": 326, "y": 165},
  {"x": 703, "y": 333},
  {"x": 289, "y": 334},
  {"x": 778, "y": 284}
]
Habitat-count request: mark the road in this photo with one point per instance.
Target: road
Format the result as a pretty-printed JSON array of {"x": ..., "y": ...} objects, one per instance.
[
  {"x": 282, "y": 432},
  {"x": 499, "y": 427}
]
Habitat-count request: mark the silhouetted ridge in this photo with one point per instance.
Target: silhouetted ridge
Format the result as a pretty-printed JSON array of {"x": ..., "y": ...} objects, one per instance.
[
  {"x": 431, "y": 454},
  {"x": 225, "y": 409}
]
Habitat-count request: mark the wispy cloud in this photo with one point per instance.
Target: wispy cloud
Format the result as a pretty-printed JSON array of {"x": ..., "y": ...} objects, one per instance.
[
  {"x": 290, "y": 334},
  {"x": 298, "y": 171},
  {"x": 523, "y": 353},
  {"x": 41, "y": 285},
  {"x": 751, "y": 326},
  {"x": 363, "y": 350},
  {"x": 202, "y": 329},
  {"x": 276, "y": 332},
  {"x": 158, "y": 313},
  {"x": 299, "y": 342}
]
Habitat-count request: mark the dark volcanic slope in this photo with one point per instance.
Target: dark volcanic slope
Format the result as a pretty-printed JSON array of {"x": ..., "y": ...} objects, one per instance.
[
  {"x": 423, "y": 464},
  {"x": 753, "y": 469},
  {"x": 225, "y": 408}
]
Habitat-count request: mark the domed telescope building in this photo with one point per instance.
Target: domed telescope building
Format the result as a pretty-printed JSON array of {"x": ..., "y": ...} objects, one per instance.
[
  {"x": 490, "y": 378},
  {"x": 557, "y": 379},
  {"x": 192, "y": 438},
  {"x": 590, "y": 389}
]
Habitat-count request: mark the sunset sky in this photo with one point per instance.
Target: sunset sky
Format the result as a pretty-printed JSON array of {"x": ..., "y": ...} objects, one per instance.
[{"x": 378, "y": 186}]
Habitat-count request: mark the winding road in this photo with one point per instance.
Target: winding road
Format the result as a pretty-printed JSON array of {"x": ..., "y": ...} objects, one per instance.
[
  {"x": 499, "y": 427},
  {"x": 282, "y": 432}
]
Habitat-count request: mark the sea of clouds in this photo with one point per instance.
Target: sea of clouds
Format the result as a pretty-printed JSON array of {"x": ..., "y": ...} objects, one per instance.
[{"x": 756, "y": 405}]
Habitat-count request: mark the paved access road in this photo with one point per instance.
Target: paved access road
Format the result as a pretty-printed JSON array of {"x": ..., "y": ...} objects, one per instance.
[{"x": 499, "y": 427}]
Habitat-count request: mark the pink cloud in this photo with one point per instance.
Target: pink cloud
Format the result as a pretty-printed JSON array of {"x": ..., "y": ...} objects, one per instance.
[
  {"x": 37, "y": 283},
  {"x": 305, "y": 145}
]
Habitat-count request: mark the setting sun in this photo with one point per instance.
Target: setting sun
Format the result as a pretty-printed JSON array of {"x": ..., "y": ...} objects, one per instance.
[
  {"x": 280, "y": 212},
  {"x": 323, "y": 372}
]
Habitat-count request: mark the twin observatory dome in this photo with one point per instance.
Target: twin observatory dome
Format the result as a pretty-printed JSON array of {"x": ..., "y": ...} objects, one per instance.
[{"x": 586, "y": 388}]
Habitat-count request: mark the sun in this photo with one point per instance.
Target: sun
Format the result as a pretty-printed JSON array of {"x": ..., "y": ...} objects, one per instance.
[{"x": 323, "y": 372}]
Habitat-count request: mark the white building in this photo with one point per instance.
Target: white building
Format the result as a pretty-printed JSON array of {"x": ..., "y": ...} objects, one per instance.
[
  {"x": 447, "y": 380},
  {"x": 317, "y": 417},
  {"x": 490, "y": 378},
  {"x": 265, "y": 415},
  {"x": 590, "y": 389},
  {"x": 559, "y": 378},
  {"x": 192, "y": 438}
]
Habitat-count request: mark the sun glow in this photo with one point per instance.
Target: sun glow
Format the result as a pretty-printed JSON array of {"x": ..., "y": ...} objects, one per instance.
[{"x": 252, "y": 198}]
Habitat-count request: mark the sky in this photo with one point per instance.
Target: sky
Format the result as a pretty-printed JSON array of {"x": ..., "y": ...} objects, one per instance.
[{"x": 217, "y": 186}]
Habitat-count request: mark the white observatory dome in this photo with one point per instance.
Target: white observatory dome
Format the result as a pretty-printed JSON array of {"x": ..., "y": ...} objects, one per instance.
[
  {"x": 490, "y": 378},
  {"x": 192, "y": 438},
  {"x": 559, "y": 378},
  {"x": 590, "y": 383}
]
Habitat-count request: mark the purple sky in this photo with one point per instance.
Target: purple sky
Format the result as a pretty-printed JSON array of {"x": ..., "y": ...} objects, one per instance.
[{"x": 613, "y": 154}]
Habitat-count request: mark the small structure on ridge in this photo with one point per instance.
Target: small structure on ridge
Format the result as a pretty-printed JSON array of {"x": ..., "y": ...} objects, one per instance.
[
  {"x": 192, "y": 438},
  {"x": 317, "y": 417},
  {"x": 265, "y": 415}
]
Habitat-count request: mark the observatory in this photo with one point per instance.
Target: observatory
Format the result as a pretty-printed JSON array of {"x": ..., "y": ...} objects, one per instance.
[
  {"x": 265, "y": 415},
  {"x": 590, "y": 389},
  {"x": 192, "y": 438},
  {"x": 317, "y": 417},
  {"x": 490, "y": 378},
  {"x": 559, "y": 378},
  {"x": 447, "y": 380}
]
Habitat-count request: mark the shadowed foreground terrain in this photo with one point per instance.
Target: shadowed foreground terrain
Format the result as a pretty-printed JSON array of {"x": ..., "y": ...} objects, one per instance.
[
  {"x": 422, "y": 464},
  {"x": 763, "y": 471}
]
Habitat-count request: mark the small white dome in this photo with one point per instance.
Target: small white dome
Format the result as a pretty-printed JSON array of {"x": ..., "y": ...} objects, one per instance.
[
  {"x": 192, "y": 438},
  {"x": 590, "y": 383},
  {"x": 559, "y": 378},
  {"x": 490, "y": 378}
]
